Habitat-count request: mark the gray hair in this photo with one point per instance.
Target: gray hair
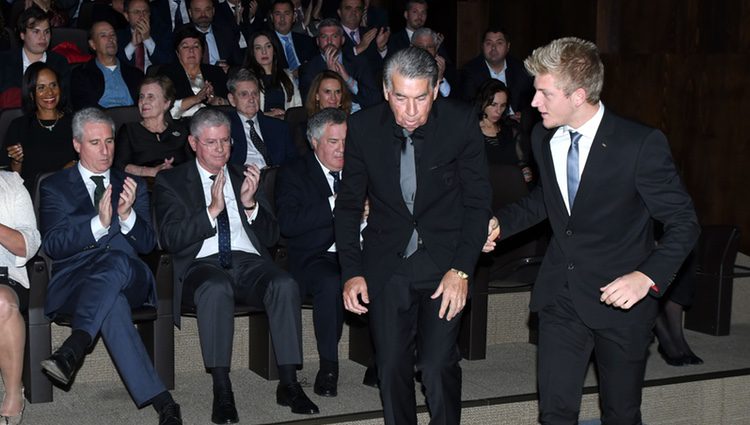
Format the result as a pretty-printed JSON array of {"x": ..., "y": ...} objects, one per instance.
[
  {"x": 242, "y": 75},
  {"x": 574, "y": 62},
  {"x": 411, "y": 63},
  {"x": 425, "y": 32},
  {"x": 90, "y": 116},
  {"x": 207, "y": 117},
  {"x": 316, "y": 125},
  {"x": 330, "y": 22}
]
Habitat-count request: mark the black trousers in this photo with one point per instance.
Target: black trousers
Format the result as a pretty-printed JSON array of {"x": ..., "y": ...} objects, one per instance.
[
  {"x": 321, "y": 279},
  {"x": 252, "y": 281},
  {"x": 404, "y": 320},
  {"x": 565, "y": 347}
]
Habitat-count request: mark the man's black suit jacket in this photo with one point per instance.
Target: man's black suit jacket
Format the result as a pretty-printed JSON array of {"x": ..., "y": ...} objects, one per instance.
[
  {"x": 452, "y": 203},
  {"x": 304, "y": 47},
  {"x": 520, "y": 83},
  {"x": 629, "y": 180},
  {"x": 88, "y": 83},
  {"x": 228, "y": 44},
  {"x": 370, "y": 93},
  {"x": 305, "y": 216},
  {"x": 374, "y": 60},
  {"x": 225, "y": 17},
  {"x": 276, "y": 135},
  {"x": 163, "y": 52},
  {"x": 183, "y": 222}
]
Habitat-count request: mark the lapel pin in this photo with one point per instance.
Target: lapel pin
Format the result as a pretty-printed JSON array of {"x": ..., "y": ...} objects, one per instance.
[{"x": 604, "y": 145}]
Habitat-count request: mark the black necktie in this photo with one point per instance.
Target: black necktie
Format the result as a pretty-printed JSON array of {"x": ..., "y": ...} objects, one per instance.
[
  {"x": 336, "y": 180},
  {"x": 98, "y": 190},
  {"x": 259, "y": 144},
  {"x": 177, "y": 14},
  {"x": 409, "y": 186},
  {"x": 225, "y": 237}
]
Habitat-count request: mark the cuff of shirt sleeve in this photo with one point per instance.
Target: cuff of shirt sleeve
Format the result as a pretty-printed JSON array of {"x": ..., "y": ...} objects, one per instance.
[
  {"x": 127, "y": 225},
  {"x": 97, "y": 230}
]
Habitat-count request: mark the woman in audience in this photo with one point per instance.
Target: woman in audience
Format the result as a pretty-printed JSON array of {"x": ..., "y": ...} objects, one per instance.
[
  {"x": 19, "y": 241},
  {"x": 278, "y": 91},
  {"x": 156, "y": 143},
  {"x": 40, "y": 141},
  {"x": 504, "y": 141},
  {"x": 328, "y": 90},
  {"x": 196, "y": 84}
]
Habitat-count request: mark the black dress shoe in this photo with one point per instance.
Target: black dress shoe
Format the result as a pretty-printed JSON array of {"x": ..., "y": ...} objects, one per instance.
[
  {"x": 692, "y": 359},
  {"x": 371, "y": 377},
  {"x": 326, "y": 384},
  {"x": 672, "y": 361},
  {"x": 61, "y": 366},
  {"x": 170, "y": 415},
  {"x": 292, "y": 395},
  {"x": 224, "y": 410}
]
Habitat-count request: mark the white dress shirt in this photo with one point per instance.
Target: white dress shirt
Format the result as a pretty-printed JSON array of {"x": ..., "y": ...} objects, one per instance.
[
  {"x": 560, "y": 143},
  {"x": 253, "y": 156},
  {"x": 27, "y": 61},
  {"x": 17, "y": 213},
  {"x": 148, "y": 46},
  {"x": 97, "y": 229}
]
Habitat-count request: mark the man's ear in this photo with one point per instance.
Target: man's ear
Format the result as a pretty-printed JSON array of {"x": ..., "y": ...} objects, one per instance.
[
  {"x": 192, "y": 141},
  {"x": 385, "y": 92},
  {"x": 76, "y": 145},
  {"x": 232, "y": 100}
]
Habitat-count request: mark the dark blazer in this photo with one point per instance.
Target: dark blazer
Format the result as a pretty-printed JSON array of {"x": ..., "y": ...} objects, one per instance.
[
  {"x": 374, "y": 60},
  {"x": 228, "y": 44},
  {"x": 163, "y": 52},
  {"x": 88, "y": 83},
  {"x": 370, "y": 93},
  {"x": 225, "y": 17},
  {"x": 179, "y": 78},
  {"x": 183, "y": 223},
  {"x": 629, "y": 180},
  {"x": 11, "y": 76},
  {"x": 452, "y": 203},
  {"x": 276, "y": 135},
  {"x": 303, "y": 210},
  {"x": 304, "y": 46},
  {"x": 520, "y": 83},
  {"x": 65, "y": 213}
]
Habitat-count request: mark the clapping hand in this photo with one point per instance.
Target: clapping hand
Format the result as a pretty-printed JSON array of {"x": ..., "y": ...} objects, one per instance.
[
  {"x": 127, "y": 198},
  {"x": 250, "y": 186}
]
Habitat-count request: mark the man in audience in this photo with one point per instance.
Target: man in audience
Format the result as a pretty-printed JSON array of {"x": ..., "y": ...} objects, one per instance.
[
  {"x": 298, "y": 48},
  {"x": 218, "y": 225},
  {"x": 257, "y": 139},
  {"x": 372, "y": 43},
  {"x": 95, "y": 221},
  {"x": 104, "y": 80},
  {"x": 429, "y": 40},
  {"x": 494, "y": 62},
  {"x": 137, "y": 44},
  {"x": 354, "y": 70},
  {"x": 305, "y": 194},
  {"x": 222, "y": 42},
  {"x": 415, "y": 14},
  {"x": 34, "y": 31},
  {"x": 242, "y": 18},
  {"x": 169, "y": 14}
]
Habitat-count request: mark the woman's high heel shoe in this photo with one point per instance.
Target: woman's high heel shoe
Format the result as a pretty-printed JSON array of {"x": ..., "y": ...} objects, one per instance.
[{"x": 15, "y": 420}]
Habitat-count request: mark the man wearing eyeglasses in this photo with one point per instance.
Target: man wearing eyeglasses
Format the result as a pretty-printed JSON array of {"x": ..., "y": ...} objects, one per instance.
[{"x": 217, "y": 223}]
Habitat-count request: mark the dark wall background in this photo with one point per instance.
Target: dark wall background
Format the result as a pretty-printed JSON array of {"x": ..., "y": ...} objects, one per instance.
[{"x": 679, "y": 65}]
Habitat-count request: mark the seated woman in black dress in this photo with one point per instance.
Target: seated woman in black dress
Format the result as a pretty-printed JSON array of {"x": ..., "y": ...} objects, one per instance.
[
  {"x": 40, "y": 141},
  {"x": 156, "y": 143},
  {"x": 196, "y": 84},
  {"x": 503, "y": 139},
  {"x": 278, "y": 91}
]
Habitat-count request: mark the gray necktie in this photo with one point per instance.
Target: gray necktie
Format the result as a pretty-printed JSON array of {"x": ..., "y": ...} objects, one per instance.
[
  {"x": 573, "y": 174},
  {"x": 409, "y": 185}
]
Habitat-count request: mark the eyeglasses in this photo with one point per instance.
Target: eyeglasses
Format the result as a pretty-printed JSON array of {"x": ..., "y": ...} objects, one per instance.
[{"x": 214, "y": 143}]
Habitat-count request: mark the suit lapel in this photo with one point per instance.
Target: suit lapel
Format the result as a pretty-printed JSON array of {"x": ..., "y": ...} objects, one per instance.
[
  {"x": 80, "y": 192},
  {"x": 315, "y": 173}
]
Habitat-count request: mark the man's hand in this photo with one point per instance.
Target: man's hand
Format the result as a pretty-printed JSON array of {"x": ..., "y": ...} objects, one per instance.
[
  {"x": 441, "y": 67},
  {"x": 625, "y": 291},
  {"x": 249, "y": 185},
  {"x": 252, "y": 7},
  {"x": 166, "y": 165},
  {"x": 127, "y": 198},
  {"x": 144, "y": 28},
  {"x": 365, "y": 40},
  {"x": 382, "y": 38},
  {"x": 217, "y": 196},
  {"x": 330, "y": 53},
  {"x": 454, "y": 291},
  {"x": 105, "y": 207},
  {"x": 353, "y": 288},
  {"x": 493, "y": 232}
]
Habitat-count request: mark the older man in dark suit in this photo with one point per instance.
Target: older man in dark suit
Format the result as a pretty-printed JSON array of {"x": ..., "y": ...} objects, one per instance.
[
  {"x": 422, "y": 166},
  {"x": 605, "y": 179},
  {"x": 139, "y": 44},
  {"x": 219, "y": 225},
  {"x": 95, "y": 221}
]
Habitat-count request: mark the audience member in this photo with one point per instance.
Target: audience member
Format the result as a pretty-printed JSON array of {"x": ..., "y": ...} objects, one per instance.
[
  {"x": 328, "y": 90},
  {"x": 257, "y": 139},
  {"x": 298, "y": 48},
  {"x": 34, "y": 31},
  {"x": 169, "y": 15},
  {"x": 196, "y": 84},
  {"x": 40, "y": 140},
  {"x": 215, "y": 220},
  {"x": 429, "y": 40},
  {"x": 372, "y": 43},
  {"x": 95, "y": 222},
  {"x": 504, "y": 142},
  {"x": 354, "y": 70},
  {"x": 494, "y": 62},
  {"x": 19, "y": 241},
  {"x": 157, "y": 142},
  {"x": 139, "y": 44},
  {"x": 415, "y": 14},
  {"x": 244, "y": 18},
  {"x": 305, "y": 195},
  {"x": 104, "y": 81},
  {"x": 222, "y": 42},
  {"x": 278, "y": 89}
]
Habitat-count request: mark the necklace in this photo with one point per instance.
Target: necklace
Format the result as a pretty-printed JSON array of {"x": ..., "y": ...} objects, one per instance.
[{"x": 48, "y": 127}]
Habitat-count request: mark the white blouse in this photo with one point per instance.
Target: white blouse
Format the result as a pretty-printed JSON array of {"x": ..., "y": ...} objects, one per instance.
[{"x": 17, "y": 213}]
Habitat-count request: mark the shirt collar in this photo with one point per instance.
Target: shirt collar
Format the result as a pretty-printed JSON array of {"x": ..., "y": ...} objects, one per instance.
[
  {"x": 86, "y": 174},
  {"x": 204, "y": 174},
  {"x": 245, "y": 118},
  {"x": 589, "y": 128},
  {"x": 27, "y": 61}
]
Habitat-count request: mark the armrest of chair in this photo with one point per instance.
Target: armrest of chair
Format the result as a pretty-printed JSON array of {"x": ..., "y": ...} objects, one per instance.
[
  {"x": 38, "y": 279},
  {"x": 160, "y": 263}
]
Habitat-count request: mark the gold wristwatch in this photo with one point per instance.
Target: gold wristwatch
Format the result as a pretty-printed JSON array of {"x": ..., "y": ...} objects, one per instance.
[{"x": 460, "y": 274}]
